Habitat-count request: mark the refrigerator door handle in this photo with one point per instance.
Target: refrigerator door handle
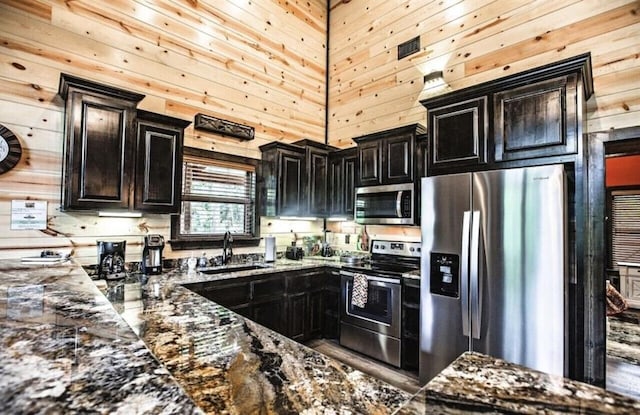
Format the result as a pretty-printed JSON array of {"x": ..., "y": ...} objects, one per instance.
[
  {"x": 464, "y": 273},
  {"x": 474, "y": 276}
]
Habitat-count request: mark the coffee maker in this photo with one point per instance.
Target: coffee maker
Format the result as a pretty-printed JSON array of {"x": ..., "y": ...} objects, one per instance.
[
  {"x": 152, "y": 254},
  {"x": 111, "y": 259}
]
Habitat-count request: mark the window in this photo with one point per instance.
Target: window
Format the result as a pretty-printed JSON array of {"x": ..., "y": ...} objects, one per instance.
[
  {"x": 625, "y": 227},
  {"x": 218, "y": 195}
]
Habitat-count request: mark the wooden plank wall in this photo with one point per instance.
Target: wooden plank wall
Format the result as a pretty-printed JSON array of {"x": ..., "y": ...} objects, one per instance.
[
  {"x": 262, "y": 63},
  {"x": 259, "y": 62},
  {"x": 473, "y": 41}
]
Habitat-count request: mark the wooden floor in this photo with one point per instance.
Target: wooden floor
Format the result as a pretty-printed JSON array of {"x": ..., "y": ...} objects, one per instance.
[
  {"x": 401, "y": 379},
  {"x": 623, "y": 373}
]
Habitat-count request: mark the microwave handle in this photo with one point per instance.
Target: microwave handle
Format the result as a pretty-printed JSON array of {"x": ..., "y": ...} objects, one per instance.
[{"x": 399, "y": 204}]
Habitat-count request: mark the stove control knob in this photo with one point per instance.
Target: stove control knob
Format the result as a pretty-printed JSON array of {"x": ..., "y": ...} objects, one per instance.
[
  {"x": 411, "y": 249},
  {"x": 375, "y": 246}
]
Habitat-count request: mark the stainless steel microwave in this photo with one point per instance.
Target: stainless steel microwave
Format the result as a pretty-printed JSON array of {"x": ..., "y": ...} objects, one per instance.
[{"x": 386, "y": 205}]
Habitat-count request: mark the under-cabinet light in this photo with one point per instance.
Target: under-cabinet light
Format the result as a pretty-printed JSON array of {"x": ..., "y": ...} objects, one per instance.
[
  {"x": 107, "y": 214},
  {"x": 338, "y": 219},
  {"x": 297, "y": 218}
]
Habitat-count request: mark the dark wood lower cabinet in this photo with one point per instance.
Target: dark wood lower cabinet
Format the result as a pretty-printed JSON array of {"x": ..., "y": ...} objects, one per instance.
[
  {"x": 331, "y": 321},
  {"x": 410, "y": 324},
  {"x": 300, "y": 305},
  {"x": 270, "y": 313},
  {"x": 315, "y": 313},
  {"x": 296, "y": 316}
]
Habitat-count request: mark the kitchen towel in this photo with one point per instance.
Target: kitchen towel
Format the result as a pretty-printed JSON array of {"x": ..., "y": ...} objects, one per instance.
[{"x": 360, "y": 290}]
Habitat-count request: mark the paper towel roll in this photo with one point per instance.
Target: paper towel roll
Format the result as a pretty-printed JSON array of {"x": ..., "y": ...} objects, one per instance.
[{"x": 269, "y": 249}]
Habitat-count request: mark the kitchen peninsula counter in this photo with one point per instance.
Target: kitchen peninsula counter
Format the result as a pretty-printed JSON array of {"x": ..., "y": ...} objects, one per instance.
[
  {"x": 162, "y": 349},
  {"x": 66, "y": 349}
]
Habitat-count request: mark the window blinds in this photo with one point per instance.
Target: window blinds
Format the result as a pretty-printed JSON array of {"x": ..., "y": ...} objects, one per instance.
[
  {"x": 625, "y": 227},
  {"x": 217, "y": 196}
]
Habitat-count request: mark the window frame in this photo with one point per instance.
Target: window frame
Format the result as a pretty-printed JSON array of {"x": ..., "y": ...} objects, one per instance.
[
  {"x": 180, "y": 241},
  {"x": 610, "y": 193}
]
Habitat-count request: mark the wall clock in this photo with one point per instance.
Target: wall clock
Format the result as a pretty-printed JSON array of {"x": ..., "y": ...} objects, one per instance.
[{"x": 10, "y": 149}]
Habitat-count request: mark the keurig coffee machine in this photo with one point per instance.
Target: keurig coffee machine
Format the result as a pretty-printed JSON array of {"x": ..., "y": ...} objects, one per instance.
[
  {"x": 111, "y": 259},
  {"x": 152, "y": 254}
]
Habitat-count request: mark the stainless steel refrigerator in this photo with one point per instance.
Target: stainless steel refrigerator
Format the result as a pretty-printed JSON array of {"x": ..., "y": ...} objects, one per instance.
[{"x": 494, "y": 268}]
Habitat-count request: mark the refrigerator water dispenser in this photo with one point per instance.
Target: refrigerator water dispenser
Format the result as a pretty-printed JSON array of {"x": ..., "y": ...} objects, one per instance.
[{"x": 445, "y": 274}]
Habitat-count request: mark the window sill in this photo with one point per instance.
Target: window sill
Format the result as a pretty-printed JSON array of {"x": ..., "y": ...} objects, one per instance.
[{"x": 184, "y": 244}]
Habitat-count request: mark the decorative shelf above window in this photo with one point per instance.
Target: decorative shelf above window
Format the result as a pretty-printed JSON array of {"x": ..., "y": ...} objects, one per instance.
[{"x": 223, "y": 127}]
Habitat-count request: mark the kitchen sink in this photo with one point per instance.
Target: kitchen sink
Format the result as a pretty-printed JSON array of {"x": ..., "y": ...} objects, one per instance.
[{"x": 232, "y": 268}]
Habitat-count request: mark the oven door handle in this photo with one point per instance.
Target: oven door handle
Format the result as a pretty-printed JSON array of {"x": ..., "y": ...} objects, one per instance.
[{"x": 372, "y": 278}]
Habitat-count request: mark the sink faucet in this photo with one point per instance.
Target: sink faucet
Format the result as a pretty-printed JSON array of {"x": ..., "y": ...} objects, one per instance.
[{"x": 227, "y": 251}]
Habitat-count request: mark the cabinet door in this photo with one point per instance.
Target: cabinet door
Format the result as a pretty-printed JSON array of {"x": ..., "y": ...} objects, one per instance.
[
  {"x": 335, "y": 189},
  {"x": 296, "y": 316},
  {"x": 370, "y": 162},
  {"x": 331, "y": 305},
  {"x": 271, "y": 314},
  {"x": 459, "y": 134},
  {"x": 317, "y": 166},
  {"x": 159, "y": 169},
  {"x": 397, "y": 159},
  {"x": 349, "y": 188},
  {"x": 315, "y": 313},
  {"x": 290, "y": 182},
  {"x": 410, "y": 324},
  {"x": 537, "y": 120},
  {"x": 99, "y": 151}
]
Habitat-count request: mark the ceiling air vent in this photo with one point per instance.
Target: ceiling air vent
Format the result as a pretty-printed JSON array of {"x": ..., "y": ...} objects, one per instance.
[{"x": 409, "y": 47}]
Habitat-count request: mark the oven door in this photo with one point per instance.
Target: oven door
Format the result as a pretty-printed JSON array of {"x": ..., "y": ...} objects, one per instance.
[{"x": 381, "y": 312}]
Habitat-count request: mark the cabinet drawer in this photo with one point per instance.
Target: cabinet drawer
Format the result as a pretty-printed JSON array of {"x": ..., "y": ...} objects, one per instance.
[
  {"x": 268, "y": 287},
  {"x": 297, "y": 283},
  {"x": 228, "y": 294}
]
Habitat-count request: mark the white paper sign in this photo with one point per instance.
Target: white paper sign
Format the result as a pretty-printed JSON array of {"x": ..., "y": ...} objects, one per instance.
[{"x": 28, "y": 214}]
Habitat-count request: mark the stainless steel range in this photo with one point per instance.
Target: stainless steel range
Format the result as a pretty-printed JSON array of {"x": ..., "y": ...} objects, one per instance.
[{"x": 371, "y": 304}]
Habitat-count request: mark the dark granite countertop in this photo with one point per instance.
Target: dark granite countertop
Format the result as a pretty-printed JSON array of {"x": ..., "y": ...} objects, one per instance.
[
  {"x": 477, "y": 383},
  {"x": 159, "y": 348}
]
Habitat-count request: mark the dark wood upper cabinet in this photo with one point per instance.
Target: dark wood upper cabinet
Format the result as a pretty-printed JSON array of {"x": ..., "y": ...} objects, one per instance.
[
  {"x": 459, "y": 134},
  {"x": 294, "y": 179},
  {"x": 536, "y": 120},
  {"x": 370, "y": 162},
  {"x": 342, "y": 182},
  {"x": 290, "y": 182},
  {"x": 397, "y": 158},
  {"x": 316, "y": 174},
  {"x": 512, "y": 121},
  {"x": 387, "y": 157},
  {"x": 99, "y": 145},
  {"x": 117, "y": 157},
  {"x": 159, "y": 162},
  {"x": 350, "y": 177},
  {"x": 281, "y": 179}
]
